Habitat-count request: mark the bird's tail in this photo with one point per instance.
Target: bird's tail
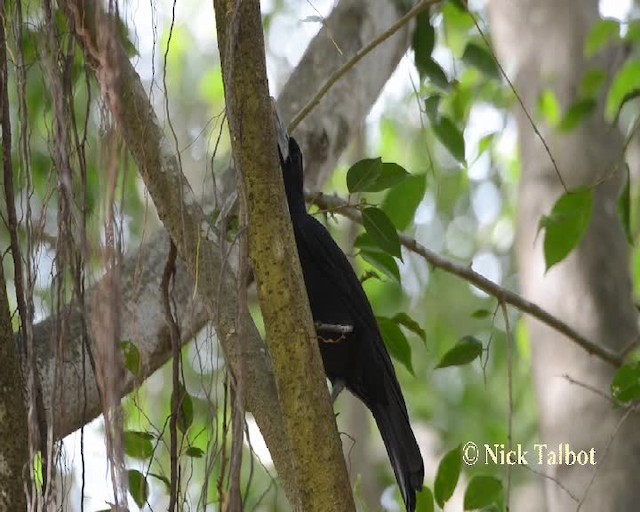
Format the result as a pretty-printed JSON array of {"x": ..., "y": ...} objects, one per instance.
[{"x": 402, "y": 448}]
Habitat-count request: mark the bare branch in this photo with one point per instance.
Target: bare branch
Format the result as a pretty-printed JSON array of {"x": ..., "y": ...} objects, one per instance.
[{"x": 335, "y": 203}]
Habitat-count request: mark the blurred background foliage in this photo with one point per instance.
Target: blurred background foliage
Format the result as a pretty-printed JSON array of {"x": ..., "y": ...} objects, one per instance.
[{"x": 444, "y": 117}]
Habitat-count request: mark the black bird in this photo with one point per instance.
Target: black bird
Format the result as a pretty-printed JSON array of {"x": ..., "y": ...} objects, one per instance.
[{"x": 357, "y": 360}]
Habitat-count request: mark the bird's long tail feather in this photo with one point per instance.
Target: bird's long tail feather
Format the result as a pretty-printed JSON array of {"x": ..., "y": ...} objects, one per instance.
[{"x": 402, "y": 449}]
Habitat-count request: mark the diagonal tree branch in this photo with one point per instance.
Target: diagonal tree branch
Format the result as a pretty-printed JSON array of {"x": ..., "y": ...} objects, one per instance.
[{"x": 339, "y": 205}]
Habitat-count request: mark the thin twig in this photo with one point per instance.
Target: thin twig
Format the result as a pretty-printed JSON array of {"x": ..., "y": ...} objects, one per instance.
[
  {"x": 505, "y": 313},
  {"x": 621, "y": 422},
  {"x": 591, "y": 388},
  {"x": 174, "y": 334},
  {"x": 350, "y": 64},
  {"x": 520, "y": 102},
  {"x": 465, "y": 272}
]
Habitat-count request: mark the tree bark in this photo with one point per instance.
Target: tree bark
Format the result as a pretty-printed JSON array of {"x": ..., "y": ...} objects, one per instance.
[
  {"x": 543, "y": 40},
  {"x": 321, "y": 482},
  {"x": 14, "y": 433}
]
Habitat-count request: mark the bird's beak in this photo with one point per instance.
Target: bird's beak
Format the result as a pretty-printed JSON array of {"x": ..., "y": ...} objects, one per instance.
[{"x": 281, "y": 131}]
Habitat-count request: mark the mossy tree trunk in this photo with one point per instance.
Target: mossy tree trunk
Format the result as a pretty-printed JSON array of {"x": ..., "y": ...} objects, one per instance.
[{"x": 322, "y": 482}]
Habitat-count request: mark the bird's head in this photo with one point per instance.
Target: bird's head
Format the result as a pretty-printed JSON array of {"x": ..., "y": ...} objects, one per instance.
[{"x": 291, "y": 165}]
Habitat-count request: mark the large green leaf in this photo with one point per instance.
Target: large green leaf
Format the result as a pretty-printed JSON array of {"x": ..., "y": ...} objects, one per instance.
[
  {"x": 185, "y": 411},
  {"x": 481, "y": 58},
  {"x": 626, "y": 383},
  {"x": 410, "y": 324},
  {"x": 451, "y": 137},
  {"x": 424, "y": 37},
  {"x": 402, "y": 201},
  {"x": 447, "y": 475},
  {"x": 131, "y": 356},
  {"x": 363, "y": 174},
  {"x": 549, "y": 107},
  {"x": 383, "y": 262},
  {"x": 592, "y": 82},
  {"x": 391, "y": 174},
  {"x": 577, "y": 113},
  {"x": 566, "y": 225},
  {"x": 601, "y": 34},
  {"x": 194, "y": 452},
  {"x": 381, "y": 230},
  {"x": 431, "y": 105},
  {"x": 633, "y": 32},
  {"x": 138, "y": 444},
  {"x": 482, "y": 491},
  {"x": 466, "y": 350},
  {"x": 424, "y": 500},
  {"x": 396, "y": 342},
  {"x": 138, "y": 487},
  {"x": 436, "y": 75},
  {"x": 626, "y": 85}
]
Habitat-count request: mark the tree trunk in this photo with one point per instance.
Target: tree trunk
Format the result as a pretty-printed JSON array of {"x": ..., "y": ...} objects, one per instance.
[
  {"x": 543, "y": 41},
  {"x": 14, "y": 433},
  {"x": 309, "y": 425}
]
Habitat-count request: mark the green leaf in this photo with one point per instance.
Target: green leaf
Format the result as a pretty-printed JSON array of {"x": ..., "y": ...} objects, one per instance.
[
  {"x": 384, "y": 263},
  {"x": 447, "y": 475},
  {"x": 576, "y": 114},
  {"x": 600, "y": 35},
  {"x": 363, "y": 174},
  {"x": 465, "y": 351},
  {"x": 633, "y": 32},
  {"x": 485, "y": 143},
  {"x": 451, "y": 137},
  {"x": 624, "y": 206},
  {"x": 365, "y": 243},
  {"x": 424, "y": 38},
  {"x": 163, "y": 479},
  {"x": 396, "y": 342},
  {"x": 482, "y": 59},
  {"x": 194, "y": 452},
  {"x": 482, "y": 491},
  {"x": 402, "y": 201},
  {"x": 592, "y": 82},
  {"x": 626, "y": 383},
  {"x": 566, "y": 225},
  {"x": 626, "y": 85},
  {"x": 436, "y": 75},
  {"x": 391, "y": 175},
  {"x": 431, "y": 105},
  {"x": 409, "y": 323},
  {"x": 480, "y": 313},
  {"x": 185, "y": 411},
  {"x": 138, "y": 444},
  {"x": 457, "y": 25},
  {"x": 381, "y": 230},
  {"x": 424, "y": 500},
  {"x": 138, "y": 487},
  {"x": 132, "y": 360},
  {"x": 549, "y": 107}
]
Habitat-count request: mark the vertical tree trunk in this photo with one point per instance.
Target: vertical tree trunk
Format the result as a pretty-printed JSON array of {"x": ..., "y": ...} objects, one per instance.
[
  {"x": 14, "y": 442},
  {"x": 541, "y": 42},
  {"x": 309, "y": 425}
]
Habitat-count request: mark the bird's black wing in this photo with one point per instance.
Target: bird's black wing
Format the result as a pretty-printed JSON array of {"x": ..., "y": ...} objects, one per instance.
[
  {"x": 361, "y": 361},
  {"x": 335, "y": 288}
]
